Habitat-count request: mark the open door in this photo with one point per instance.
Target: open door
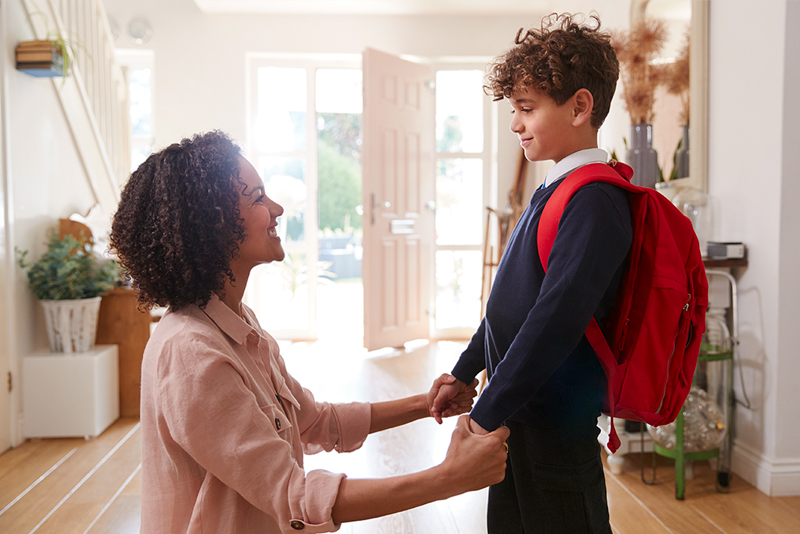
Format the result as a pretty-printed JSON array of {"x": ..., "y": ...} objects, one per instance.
[{"x": 398, "y": 199}]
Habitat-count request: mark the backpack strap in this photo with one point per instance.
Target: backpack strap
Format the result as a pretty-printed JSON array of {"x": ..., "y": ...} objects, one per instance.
[{"x": 615, "y": 173}]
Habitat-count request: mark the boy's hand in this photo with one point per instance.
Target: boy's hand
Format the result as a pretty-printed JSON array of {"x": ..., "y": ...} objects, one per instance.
[{"x": 449, "y": 396}]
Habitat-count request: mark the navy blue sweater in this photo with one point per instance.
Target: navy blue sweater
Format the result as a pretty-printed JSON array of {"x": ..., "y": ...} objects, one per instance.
[{"x": 542, "y": 370}]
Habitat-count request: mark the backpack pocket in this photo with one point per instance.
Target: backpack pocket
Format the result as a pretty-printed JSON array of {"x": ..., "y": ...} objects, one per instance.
[{"x": 661, "y": 339}]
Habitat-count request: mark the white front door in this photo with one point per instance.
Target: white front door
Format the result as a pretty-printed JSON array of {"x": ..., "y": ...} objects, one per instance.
[{"x": 398, "y": 196}]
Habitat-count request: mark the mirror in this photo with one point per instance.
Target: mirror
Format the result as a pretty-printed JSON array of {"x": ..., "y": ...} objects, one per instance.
[{"x": 667, "y": 128}]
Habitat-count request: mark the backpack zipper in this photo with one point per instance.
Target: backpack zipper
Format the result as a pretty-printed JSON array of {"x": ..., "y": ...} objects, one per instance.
[
  {"x": 669, "y": 361},
  {"x": 624, "y": 334}
]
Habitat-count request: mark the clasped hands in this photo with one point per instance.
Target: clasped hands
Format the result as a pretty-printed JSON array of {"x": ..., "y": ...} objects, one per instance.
[
  {"x": 476, "y": 451},
  {"x": 449, "y": 396}
]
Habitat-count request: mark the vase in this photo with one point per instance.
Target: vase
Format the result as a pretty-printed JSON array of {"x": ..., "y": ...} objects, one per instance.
[
  {"x": 642, "y": 157},
  {"x": 682, "y": 155},
  {"x": 71, "y": 324},
  {"x": 667, "y": 189},
  {"x": 695, "y": 204}
]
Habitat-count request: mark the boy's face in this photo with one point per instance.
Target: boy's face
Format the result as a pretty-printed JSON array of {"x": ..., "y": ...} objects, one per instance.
[{"x": 544, "y": 128}]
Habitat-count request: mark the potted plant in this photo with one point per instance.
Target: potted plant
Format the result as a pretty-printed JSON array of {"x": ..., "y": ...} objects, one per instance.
[
  {"x": 48, "y": 57},
  {"x": 68, "y": 280}
]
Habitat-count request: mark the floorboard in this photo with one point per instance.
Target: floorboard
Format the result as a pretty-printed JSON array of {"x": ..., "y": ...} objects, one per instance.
[{"x": 74, "y": 486}]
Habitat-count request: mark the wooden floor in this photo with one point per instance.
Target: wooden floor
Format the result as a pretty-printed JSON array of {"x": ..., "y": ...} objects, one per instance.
[{"x": 71, "y": 486}]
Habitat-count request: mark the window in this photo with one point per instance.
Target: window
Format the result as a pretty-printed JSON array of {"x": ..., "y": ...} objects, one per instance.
[
  {"x": 462, "y": 166},
  {"x": 138, "y": 68},
  {"x": 305, "y": 138}
]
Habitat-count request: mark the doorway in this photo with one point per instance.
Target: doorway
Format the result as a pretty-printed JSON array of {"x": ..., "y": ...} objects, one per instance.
[{"x": 305, "y": 138}]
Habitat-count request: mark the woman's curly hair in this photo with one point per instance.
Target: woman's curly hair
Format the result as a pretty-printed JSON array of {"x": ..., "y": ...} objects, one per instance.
[
  {"x": 558, "y": 59},
  {"x": 178, "y": 225}
]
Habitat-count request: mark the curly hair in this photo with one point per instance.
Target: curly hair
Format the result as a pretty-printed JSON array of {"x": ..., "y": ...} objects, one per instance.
[
  {"x": 178, "y": 225},
  {"x": 558, "y": 59}
]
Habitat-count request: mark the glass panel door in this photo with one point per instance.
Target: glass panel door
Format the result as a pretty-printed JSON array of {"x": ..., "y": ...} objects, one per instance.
[
  {"x": 283, "y": 295},
  {"x": 461, "y": 171},
  {"x": 340, "y": 309},
  {"x": 305, "y": 123}
]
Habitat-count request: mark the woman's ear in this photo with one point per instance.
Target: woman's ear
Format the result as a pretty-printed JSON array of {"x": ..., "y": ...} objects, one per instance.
[{"x": 582, "y": 106}]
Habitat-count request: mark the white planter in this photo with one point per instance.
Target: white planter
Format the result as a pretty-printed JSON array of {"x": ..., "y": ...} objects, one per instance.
[{"x": 71, "y": 324}]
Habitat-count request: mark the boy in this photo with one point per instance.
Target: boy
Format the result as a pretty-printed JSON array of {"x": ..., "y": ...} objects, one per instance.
[{"x": 545, "y": 381}]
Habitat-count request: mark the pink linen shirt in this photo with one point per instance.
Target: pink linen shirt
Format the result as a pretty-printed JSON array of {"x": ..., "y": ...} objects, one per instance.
[{"x": 224, "y": 429}]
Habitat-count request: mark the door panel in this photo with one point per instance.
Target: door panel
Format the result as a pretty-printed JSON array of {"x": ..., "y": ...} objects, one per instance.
[{"x": 398, "y": 185}]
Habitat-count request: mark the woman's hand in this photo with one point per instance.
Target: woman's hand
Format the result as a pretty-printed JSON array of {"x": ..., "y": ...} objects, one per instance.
[
  {"x": 472, "y": 462},
  {"x": 476, "y": 461},
  {"x": 449, "y": 396}
]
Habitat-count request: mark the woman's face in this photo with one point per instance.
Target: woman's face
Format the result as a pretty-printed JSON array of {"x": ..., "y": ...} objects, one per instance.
[{"x": 261, "y": 243}]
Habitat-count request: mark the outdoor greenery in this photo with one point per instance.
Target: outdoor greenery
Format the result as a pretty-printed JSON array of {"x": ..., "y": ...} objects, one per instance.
[
  {"x": 451, "y": 136},
  {"x": 339, "y": 168},
  {"x": 68, "y": 270}
]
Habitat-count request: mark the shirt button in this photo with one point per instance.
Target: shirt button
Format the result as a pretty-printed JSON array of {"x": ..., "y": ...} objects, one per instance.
[
  {"x": 297, "y": 525},
  {"x": 277, "y": 423}
]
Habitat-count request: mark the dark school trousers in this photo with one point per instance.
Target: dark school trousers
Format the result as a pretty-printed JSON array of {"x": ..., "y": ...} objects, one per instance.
[{"x": 554, "y": 484}]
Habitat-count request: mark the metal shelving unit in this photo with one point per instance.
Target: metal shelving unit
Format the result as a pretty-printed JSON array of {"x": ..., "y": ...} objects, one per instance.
[{"x": 709, "y": 353}]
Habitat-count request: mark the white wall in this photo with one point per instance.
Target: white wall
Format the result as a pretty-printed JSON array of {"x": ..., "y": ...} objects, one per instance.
[
  {"x": 200, "y": 63},
  {"x": 753, "y": 162},
  {"x": 45, "y": 181},
  {"x": 6, "y": 263},
  {"x": 787, "y": 440}
]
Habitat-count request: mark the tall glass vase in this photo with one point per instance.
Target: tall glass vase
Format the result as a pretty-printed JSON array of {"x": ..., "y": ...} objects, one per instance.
[
  {"x": 682, "y": 155},
  {"x": 642, "y": 156}
]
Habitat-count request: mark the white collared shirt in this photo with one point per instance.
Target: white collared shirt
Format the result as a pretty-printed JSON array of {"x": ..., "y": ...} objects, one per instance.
[{"x": 573, "y": 161}]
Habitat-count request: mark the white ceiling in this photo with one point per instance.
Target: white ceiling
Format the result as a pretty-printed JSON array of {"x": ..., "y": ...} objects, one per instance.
[{"x": 375, "y": 7}]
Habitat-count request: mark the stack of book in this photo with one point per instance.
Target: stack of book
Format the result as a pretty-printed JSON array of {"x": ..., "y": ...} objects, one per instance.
[{"x": 40, "y": 58}]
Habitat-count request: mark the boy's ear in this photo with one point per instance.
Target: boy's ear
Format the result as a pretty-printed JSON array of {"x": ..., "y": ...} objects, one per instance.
[{"x": 582, "y": 106}]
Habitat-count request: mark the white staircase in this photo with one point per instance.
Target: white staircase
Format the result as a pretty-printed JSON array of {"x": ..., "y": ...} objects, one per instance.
[{"x": 94, "y": 96}]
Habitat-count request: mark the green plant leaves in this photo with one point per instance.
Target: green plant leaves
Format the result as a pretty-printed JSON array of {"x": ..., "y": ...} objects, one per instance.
[{"x": 68, "y": 270}]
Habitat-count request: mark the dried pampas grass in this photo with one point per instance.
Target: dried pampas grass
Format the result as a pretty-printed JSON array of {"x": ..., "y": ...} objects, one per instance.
[
  {"x": 678, "y": 78},
  {"x": 636, "y": 50}
]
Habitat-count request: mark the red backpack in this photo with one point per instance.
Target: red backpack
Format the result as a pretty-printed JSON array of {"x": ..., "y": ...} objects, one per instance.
[{"x": 652, "y": 334}]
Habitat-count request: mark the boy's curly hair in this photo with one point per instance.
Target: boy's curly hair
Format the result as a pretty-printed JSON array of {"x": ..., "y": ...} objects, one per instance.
[
  {"x": 178, "y": 225},
  {"x": 558, "y": 59}
]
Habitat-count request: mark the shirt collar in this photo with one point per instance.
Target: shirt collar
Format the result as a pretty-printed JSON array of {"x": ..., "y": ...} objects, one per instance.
[
  {"x": 573, "y": 161},
  {"x": 231, "y": 324}
]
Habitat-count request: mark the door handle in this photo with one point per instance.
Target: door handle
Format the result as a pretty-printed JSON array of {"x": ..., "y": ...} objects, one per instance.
[{"x": 375, "y": 206}]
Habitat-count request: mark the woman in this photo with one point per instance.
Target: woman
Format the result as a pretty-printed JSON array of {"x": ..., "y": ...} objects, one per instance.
[{"x": 224, "y": 426}]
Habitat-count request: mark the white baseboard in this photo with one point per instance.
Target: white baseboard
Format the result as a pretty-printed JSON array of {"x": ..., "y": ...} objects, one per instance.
[{"x": 776, "y": 478}]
